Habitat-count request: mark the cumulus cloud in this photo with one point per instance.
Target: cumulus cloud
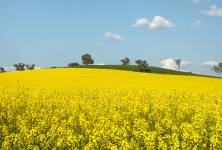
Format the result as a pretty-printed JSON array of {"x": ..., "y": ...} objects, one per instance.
[
  {"x": 141, "y": 22},
  {"x": 214, "y": 10},
  {"x": 169, "y": 63},
  {"x": 160, "y": 22},
  {"x": 113, "y": 36},
  {"x": 157, "y": 23},
  {"x": 196, "y": 23},
  {"x": 209, "y": 64}
]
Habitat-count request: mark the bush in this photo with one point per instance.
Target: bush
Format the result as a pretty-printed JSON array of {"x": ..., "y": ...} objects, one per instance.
[
  {"x": 19, "y": 66},
  {"x": 73, "y": 64},
  {"x": 30, "y": 67},
  {"x": 2, "y": 69}
]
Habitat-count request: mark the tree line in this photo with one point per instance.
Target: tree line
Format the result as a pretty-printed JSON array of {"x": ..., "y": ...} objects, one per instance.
[{"x": 88, "y": 60}]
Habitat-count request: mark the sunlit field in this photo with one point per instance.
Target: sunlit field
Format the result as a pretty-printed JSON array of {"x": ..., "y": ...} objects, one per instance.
[{"x": 109, "y": 109}]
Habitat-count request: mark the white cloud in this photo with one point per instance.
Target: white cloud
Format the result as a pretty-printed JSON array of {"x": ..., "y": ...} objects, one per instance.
[
  {"x": 170, "y": 64},
  {"x": 196, "y": 23},
  {"x": 36, "y": 68},
  {"x": 113, "y": 36},
  {"x": 100, "y": 64},
  {"x": 160, "y": 22},
  {"x": 141, "y": 22},
  {"x": 213, "y": 11},
  {"x": 209, "y": 64},
  {"x": 157, "y": 23}
]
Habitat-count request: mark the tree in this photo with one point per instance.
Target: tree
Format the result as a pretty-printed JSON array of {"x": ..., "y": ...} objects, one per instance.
[
  {"x": 218, "y": 68},
  {"x": 2, "y": 69},
  {"x": 87, "y": 59},
  {"x": 30, "y": 67},
  {"x": 143, "y": 65},
  {"x": 139, "y": 62},
  {"x": 178, "y": 63},
  {"x": 19, "y": 66},
  {"x": 125, "y": 61},
  {"x": 73, "y": 64}
]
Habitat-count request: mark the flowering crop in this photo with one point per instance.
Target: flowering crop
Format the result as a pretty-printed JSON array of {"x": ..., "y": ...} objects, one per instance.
[{"x": 103, "y": 109}]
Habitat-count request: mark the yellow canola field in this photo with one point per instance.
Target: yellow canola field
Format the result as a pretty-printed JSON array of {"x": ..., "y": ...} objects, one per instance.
[
  {"x": 109, "y": 109},
  {"x": 67, "y": 79}
]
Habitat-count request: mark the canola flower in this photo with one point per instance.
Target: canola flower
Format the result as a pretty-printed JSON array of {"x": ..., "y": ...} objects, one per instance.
[{"x": 103, "y": 109}]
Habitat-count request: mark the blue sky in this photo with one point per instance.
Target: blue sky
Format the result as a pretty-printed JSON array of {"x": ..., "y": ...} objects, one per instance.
[{"x": 55, "y": 32}]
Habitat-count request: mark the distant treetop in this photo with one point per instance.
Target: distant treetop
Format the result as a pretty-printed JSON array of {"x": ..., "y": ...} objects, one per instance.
[{"x": 87, "y": 59}]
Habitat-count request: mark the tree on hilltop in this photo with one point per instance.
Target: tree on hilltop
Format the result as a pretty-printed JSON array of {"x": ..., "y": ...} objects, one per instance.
[
  {"x": 2, "y": 69},
  {"x": 139, "y": 62},
  {"x": 19, "y": 66},
  {"x": 87, "y": 59},
  {"x": 178, "y": 63},
  {"x": 218, "y": 68},
  {"x": 30, "y": 67},
  {"x": 125, "y": 61},
  {"x": 73, "y": 64},
  {"x": 143, "y": 65}
]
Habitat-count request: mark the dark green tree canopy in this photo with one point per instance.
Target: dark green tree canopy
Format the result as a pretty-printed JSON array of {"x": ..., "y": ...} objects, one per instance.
[
  {"x": 139, "y": 62},
  {"x": 19, "y": 66},
  {"x": 73, "y": 64},
  {"x": 125, "y": 61},
  {"x": 87, "y": 59},
  {"x": 218, "y": 68},
  {"x": 30, "y": 67},
  {"x": 2, "y": 69},
  {"x": 143, "y": 65}
]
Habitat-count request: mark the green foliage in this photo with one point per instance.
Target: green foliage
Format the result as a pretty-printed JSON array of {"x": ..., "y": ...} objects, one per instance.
[
  {"x": 135, "y": 69},
  {"x": 143, "y": 65},
  {"x": 87, "y": 59},
  {"x": 30, "y": 67},
  {"x": 73, "y": 64},
  {"x": 125, "y": 61},
  {"x": 19, "y": 66},
  {"x": 138, "y": 62},
  {"x": 2, "y": 69},
  {"x": 218, "y": 68}
]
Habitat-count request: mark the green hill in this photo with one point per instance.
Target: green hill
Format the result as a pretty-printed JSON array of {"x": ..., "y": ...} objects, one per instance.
[{"x": 136, "y": 69}]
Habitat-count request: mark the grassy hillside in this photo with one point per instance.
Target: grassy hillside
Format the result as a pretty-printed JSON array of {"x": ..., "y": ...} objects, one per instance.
[{"x": 136, "y": 69}]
